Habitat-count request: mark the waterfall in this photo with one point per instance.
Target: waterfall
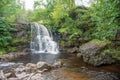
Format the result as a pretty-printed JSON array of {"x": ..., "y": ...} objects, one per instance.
[{"x": 42, "y": 40}]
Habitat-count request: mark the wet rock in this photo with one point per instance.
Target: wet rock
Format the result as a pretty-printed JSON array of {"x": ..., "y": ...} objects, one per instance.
[
  {"x": 75, "y": 50},
  {"x": 57, "y": 64},
  {"x": 84, "y": 69},
  {"x": 36, "y": 77},
  {"x": 71, "y": 50},
  {"x": 79, "y": 55},
  {"x": 91, "y": 53},
  {"x": 19, "y": 69},
  {"x": 43, "y": 65},
  {"x": 30, "y": 67},
  {"x": 100, "y": 75},
  {"x": 7, "y": 65},
  {"x": 92, "y": 48},
  {"x": 28, "y": 50},
  {"x": 104, "y": 75},
  {"x": 13, "y": 78},
  {"x": 21, "y": 75},
  {"x": 8, "y": 75},
  {"x": 2, "y": 75},
  {"x": 13, "y": 55}
]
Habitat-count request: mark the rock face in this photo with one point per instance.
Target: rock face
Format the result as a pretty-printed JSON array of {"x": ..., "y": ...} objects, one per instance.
[{"x": 91, "y": 53}]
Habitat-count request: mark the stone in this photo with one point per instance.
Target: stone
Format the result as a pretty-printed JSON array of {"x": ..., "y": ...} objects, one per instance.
[
  {"x": 22, "y": 75},
  {"x": 8, "y": 75},
  {"x": 37, "y": 76},
  {"x": 30, "y": 67},
  {"x": 7, "y": 65},
  {"x": 43, "y": 65},
  {"x": 75, "y": 50},
  {"x": 13, "y": 78},
  {"x": 92, "y": 48},
  {"x": 57, "y": 64},
  {"x": 79, "y": 55},
  {"x": 92, "y": 53},
  {"x": 19, "y": 69}
]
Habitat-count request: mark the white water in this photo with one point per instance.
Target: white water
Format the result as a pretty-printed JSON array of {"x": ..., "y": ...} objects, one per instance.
[{"x": 42, "y": 41}]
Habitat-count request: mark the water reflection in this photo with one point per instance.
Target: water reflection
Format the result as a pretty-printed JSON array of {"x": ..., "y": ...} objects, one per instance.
[
  {"x": 36, "y": 57},
  {"x": 49, "y": 58}
]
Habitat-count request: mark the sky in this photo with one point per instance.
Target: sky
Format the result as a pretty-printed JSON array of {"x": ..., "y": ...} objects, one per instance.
[
  {"x": 29, "y": 3},
  {"x": 85, "y": 2}
]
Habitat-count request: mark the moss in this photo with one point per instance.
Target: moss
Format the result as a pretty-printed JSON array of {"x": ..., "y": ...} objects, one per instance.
[
  {"x": 2, "y": 54},
  {"x": 100, "y": 43},
  {"x": 62, "y": 43},
  {"x": 18, "y": 41},
  {"x": 114, "y": 52},
  {"x": 10, "y": 48},
  {"x": 111, "y": 51}
]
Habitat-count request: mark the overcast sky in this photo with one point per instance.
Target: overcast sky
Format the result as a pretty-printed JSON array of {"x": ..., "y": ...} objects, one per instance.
[{"x": 29, "y": 3}]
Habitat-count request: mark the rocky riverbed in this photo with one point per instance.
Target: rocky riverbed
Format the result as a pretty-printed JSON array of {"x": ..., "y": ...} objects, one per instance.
[
  {"x": 64, "y": 69},
  {"x": 54, "y": 67}
]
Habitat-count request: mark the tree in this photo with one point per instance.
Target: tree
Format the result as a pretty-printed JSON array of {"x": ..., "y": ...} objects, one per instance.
[
  {"x": 106, "y": 15},
  {"x": 9, "y": 9},
  {"x": 63, "y": 17},
  {"x": 8, "y": 12}
]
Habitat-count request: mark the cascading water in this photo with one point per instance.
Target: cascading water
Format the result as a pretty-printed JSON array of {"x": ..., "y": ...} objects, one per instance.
[{"x": 42, "y": 41}]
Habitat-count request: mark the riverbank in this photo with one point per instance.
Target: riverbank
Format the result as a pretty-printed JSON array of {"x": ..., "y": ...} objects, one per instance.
[{"x": 64, "y": 67}]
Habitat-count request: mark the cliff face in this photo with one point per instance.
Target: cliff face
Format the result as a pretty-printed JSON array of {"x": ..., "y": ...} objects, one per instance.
[{"x": 21, "y": 36}]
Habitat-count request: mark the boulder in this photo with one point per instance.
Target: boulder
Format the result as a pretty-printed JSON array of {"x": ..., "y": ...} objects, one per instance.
[
  {"x": 30, "y": 67},
  {"x": 79, "y": 55},
  {"x": 43, "y": 65},
  {"x": 57, "y": 64},
  {"x": 92, "y": 53},
  {"x": 37, "y": 76},
  {"x": 13, "y": 79},
  {"x": 75, "y": 50},
  {"x": 71, "y": 50},
  {"x": 92, "y": 48}
]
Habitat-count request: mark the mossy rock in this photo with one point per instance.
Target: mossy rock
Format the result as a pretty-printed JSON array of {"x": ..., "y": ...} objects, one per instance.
[{"x": 92, "y": 53}]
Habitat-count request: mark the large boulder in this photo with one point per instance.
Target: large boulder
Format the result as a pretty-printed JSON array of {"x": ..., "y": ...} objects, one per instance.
[{"x": 91, "y": 53}]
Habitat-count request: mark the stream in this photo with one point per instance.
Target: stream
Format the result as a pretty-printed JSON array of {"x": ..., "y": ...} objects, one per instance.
[{"x": 73, "y": 68}]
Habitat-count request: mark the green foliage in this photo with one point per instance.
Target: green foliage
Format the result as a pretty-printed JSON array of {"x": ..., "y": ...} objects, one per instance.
[
  {"x": 9, "y": 9},
  {"x": 64, "y": 18},
  {"x": 5, "y": 36},
  {"x": 100, "y": 41},
  {"x": 16, "y": 41},
  {"x": 58, "y": 13},
  {"x": 75, "y": 24},
  {"x": 105, "y": 15}
]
